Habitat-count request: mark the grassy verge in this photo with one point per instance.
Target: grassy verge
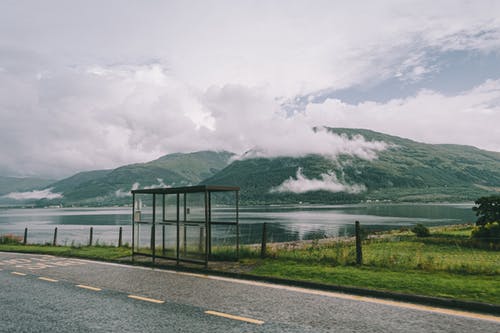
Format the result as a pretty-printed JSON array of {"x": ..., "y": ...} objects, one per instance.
[
  {"x": 477, "y": 288},
  {"x": 446, "y": 264},
  {"x": 89, "y": 252}
]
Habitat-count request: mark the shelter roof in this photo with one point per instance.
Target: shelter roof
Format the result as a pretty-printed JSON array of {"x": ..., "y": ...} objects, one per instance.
[{"x": 187, "y": 189}]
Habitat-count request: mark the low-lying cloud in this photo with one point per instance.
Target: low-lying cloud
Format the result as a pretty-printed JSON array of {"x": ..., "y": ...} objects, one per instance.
[
  {"x": 328, "y": 182},
  {"x": 34, "y": 195},
  {"x": 123, "y": 193}
]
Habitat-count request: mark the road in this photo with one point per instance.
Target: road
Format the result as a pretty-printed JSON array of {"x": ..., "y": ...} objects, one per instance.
[{"x": 51, "y": 294}]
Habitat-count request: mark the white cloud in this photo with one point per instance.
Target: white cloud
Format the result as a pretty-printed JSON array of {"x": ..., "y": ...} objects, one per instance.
[
  {"x": 471, "y": 117},
  {"x": 249, "y": 121},
  {"x": 293, "y": 49},
  {"x": 160, "y": 184},
  {"x": 137, "y": 113},
  {"x": 186, "y": 77},
  {"x": 328, "y": 182},
  {"x": 34, "y": 195},
  {"x": 121, "y": 193}
]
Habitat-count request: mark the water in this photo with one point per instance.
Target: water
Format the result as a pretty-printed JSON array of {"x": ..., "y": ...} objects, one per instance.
[{"x": 284, "y": 223}]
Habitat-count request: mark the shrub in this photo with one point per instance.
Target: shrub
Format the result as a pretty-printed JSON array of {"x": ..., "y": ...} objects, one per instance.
[
  {"x": 489, "y": 232},
  {"x": 421, "y": 230},
  {"x": 487, "y": 209},
  {"x": 10, "y": 239}
]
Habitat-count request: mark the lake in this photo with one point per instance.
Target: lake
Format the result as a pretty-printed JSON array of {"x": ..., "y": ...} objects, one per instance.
[{"x": 284, "y": 223}]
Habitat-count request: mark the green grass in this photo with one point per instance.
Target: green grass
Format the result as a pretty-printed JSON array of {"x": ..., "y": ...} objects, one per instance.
[
  {"x": 446, "y": 264},
  {"x": 448, "y": 250},
  {"x": 89, "y": 252},
  {"x": 479, "y": 288}
]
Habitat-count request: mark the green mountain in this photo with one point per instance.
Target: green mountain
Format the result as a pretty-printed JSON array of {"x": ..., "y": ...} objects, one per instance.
[
  {"x": 406, "y": 171},
  {"x": 107, "y": 187},
  {"x": 14, "y": 184}
]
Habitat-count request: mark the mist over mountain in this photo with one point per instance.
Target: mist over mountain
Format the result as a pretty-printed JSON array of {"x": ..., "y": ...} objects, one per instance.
[
  {"x": 17, "y": 184},
  {"x": 405, "y": 171},
  {"x": 111, "y": 187},
  {"x": 399, "y": 170}
]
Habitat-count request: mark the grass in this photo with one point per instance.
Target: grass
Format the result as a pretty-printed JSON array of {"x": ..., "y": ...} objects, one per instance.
[
  {"x": 479, "y": 288},
  {"x": 89, "y": 252},
  {"x": 447, "y": 250},
  {"x": 446, "y": 264}
]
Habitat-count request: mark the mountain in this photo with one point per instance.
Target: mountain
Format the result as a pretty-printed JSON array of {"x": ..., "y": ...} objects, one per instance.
[
  {"x": 106, "y": 187},
  {"x": 14, "y": 184},
  {"x": 405, "y": 171}
]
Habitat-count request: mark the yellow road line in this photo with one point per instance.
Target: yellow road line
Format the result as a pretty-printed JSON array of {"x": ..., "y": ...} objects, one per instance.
[
  {"x": 147, "y": 299},
  {"x": 400, "y": 304},
  {"x": 229, "y": 316},
  {"x": 47, "y": 279},
  {"x": 88, "y": 287},
  {"x": 17, "y": 273}
]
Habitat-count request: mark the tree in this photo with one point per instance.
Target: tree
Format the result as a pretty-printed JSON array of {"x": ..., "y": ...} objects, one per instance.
[
  {"x": 421, "y": 230},
  {"x": 487, "y": 209}
]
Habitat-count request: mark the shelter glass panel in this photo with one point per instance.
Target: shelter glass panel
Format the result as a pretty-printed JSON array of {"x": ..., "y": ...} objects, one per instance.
[
  {"x": 165, "y": 240},
  {"x": 170, "y": 208},
  {"x": 192, "y": 241},
  {"x": 224, "y": 241},
  {"x": 195, "y": 207},
  {"x": 142, "y": 242},
  {"x": 143, "y": 208}
]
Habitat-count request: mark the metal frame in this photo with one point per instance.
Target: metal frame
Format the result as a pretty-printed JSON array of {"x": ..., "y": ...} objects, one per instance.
[{"x": 207, "y": 191}]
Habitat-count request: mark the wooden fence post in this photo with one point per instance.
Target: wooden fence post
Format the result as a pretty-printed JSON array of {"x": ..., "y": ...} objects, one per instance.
[
  {"x": 120, "y": 237},
  {"x": 25, "y": 240},
  {"x": 55, "y": 237},
  {"x": 200, "y": 244},
  {"x": 263, "y": 246},
  {"x": 91, "y": 235},
  {"x": 359, "y": 251}
]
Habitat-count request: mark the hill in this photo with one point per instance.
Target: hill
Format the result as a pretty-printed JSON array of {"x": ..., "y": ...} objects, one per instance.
[
  {"x": 406, "y": 171},
  {"x": 108, "y": 187},
  {"x": 16, "y": 184}
]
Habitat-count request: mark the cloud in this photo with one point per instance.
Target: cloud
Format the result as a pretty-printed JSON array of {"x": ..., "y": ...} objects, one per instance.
[
  {"x": 249, "y": 121},
  {"x": 469, "y": 118},
  {"x": 105, "y": 117},
  {"x": 328, "y": 182},
  {"x": 122, "y": 194},
  {"x": 96, "y": 95},
  {"x": 160, "y": 184},
  {"x": 34, "y": 195}
]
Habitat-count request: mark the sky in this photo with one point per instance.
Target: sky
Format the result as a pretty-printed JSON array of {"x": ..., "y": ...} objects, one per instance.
[{"x": 88, "y": 85}]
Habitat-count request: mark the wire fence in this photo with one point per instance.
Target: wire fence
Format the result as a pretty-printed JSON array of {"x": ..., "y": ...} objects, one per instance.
[
  {"x": 70, "y": 235},
  {"x": 449, "y": 250}
]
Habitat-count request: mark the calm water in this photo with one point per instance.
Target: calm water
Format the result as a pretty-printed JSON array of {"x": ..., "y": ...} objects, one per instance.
[{"x": 284, "y": 223}]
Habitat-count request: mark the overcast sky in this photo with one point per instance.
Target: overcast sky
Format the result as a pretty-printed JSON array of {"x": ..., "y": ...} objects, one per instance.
[{"x": 97, "y": 84}]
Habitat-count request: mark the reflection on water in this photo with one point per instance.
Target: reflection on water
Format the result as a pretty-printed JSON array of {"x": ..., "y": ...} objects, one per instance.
[{"x": 284, "y": 223}]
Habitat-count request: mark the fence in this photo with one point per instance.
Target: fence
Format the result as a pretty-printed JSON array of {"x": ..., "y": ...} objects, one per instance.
[
  {"x": 445, "y": 249},
  {"x": 71, "y": 236},
  {"x": 449, "y": 250}
]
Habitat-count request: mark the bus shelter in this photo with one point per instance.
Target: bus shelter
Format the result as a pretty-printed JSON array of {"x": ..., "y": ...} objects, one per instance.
[{"x": 186, "y": 224}]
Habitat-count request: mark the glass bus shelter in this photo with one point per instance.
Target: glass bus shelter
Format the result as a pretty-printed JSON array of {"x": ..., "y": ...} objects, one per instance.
[{"x": 186, "y": 224}]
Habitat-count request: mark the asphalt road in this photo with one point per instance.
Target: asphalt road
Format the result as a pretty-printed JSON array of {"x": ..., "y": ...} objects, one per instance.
[{"x": 51, "y": 294}]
